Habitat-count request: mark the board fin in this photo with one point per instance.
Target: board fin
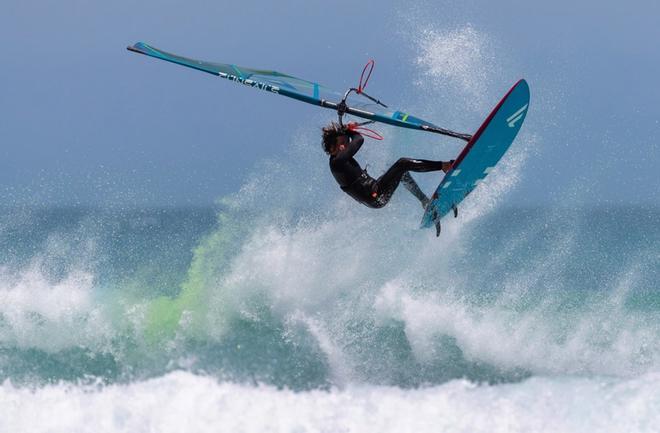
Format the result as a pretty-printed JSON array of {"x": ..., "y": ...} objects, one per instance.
[{"x": 436, "y": 222}]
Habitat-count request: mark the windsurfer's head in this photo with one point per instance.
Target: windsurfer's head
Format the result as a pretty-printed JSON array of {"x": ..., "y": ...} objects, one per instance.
[{"x": 332, "y": 134}]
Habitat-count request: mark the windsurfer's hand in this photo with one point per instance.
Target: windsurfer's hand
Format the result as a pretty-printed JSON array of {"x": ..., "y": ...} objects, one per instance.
[{"x": 351, "y": 126}]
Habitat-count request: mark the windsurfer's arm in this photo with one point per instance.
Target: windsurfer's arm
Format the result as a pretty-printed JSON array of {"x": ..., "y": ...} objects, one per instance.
[{"x": 356, "y": 141}]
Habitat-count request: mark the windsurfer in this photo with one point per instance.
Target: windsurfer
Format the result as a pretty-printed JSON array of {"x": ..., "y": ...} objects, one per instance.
[{"x": 343, "y": 142}]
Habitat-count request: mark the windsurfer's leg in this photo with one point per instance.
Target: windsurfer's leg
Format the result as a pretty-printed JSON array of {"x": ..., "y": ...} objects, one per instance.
[
  {"x": 389, "y": 181},
  {"x": 410, "y": 184}
]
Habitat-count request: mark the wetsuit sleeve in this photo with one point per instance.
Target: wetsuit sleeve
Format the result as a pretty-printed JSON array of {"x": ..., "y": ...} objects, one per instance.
[{"x": 353, "y": 146}]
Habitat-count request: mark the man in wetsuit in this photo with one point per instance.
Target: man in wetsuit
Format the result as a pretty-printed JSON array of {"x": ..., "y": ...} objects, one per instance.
[{"x": 342, "y": 143}]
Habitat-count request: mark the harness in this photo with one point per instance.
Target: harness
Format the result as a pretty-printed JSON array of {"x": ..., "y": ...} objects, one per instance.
[{"x": 363, "y": 189}]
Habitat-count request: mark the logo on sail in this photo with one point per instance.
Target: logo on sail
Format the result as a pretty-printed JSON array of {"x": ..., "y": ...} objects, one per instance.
[
  {"x": 515, "y": 117},
  {"x": 248, "y": 82}
]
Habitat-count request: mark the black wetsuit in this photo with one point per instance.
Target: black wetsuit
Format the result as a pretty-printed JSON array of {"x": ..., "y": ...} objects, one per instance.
[{"x": 371, "y": 192}]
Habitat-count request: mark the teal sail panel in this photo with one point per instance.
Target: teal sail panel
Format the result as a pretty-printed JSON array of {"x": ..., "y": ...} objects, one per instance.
[
  {"x": 293, "y": 87},
  {"x": 271, "y": 81}
]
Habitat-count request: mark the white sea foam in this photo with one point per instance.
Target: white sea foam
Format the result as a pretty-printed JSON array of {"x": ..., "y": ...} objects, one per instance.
[
  {"x": 50, "y": 314},
  {"x": 181, "y": 401},
  {"x": 602, "y": 337},
  {"x": 359, "y": 267}
]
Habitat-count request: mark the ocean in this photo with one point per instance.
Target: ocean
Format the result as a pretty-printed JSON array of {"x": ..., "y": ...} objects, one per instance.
[
  {"x": 287, "y": 307},
  {"x": 196, "y": 319}
]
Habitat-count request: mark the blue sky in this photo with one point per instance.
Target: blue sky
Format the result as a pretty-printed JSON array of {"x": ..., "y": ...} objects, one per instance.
[{"x": 83, "y": 121}]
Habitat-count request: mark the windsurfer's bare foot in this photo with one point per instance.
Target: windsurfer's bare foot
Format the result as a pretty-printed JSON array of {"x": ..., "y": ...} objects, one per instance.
[{"x": 447, "y": 165}]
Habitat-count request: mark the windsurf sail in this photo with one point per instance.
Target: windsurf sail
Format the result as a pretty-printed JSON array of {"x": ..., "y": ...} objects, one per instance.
[{"x": 356, "y": 104}]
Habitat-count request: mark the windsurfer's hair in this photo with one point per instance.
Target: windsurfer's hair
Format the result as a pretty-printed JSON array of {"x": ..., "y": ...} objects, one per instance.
[{"x": 330, "y": 134}]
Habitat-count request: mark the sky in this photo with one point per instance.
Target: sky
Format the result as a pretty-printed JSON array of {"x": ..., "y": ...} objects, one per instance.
[{"x": 85, "y": 122}]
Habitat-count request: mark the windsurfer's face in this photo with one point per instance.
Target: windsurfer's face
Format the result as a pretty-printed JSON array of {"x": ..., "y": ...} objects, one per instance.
[{"x": 341, "y": 143}]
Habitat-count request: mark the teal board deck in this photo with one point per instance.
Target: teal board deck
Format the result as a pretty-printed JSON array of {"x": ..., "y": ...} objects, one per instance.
[{"x": 481, "y": 153}]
